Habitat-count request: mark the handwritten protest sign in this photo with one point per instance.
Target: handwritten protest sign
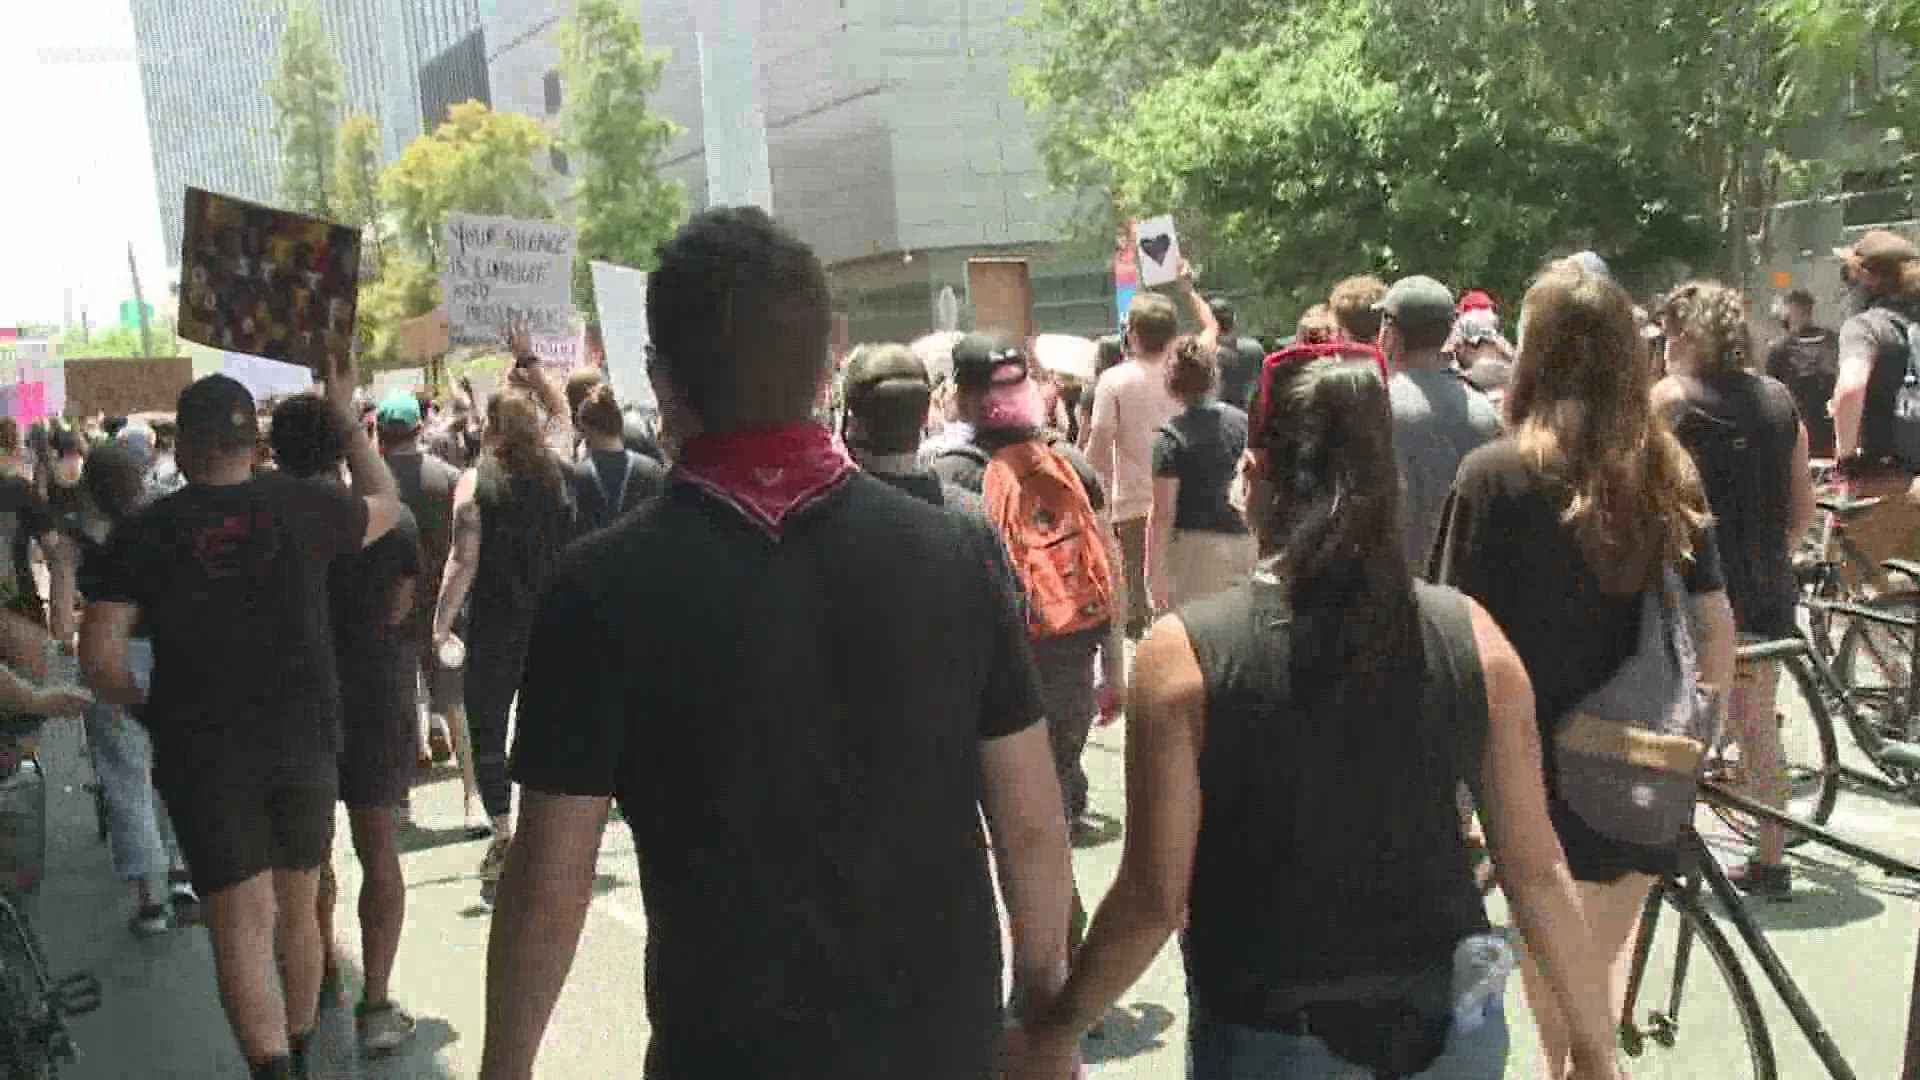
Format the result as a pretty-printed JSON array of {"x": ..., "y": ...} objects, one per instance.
[
  {"x": 267, "y": 282},
  {"x": 121, "y": 387},
  {"x": 499, "y": 270},
  {"x": 1159, "y": 251},
  {"x": 266, "y": 378},
  {"x": 621, "y": 294},
  {"x": 398, "y": 381}
]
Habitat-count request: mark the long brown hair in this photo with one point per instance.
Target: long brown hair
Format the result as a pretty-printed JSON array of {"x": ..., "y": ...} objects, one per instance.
[
  {"x": 1581, "y": 407},
  {"x": 514, "y": 441}
]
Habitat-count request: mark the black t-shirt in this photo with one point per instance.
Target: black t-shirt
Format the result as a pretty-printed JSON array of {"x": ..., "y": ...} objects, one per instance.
[
  {"x": 426, "y": 486},
  {"x": 1502, "y": 542},
  {"x": 1808, "y": 364},
  {"x": 1881, "y": 330},
  {"x": 922, "y": 484},
  {"x": 373, "y": 668},
  {"x": 24, "y": 518},
  {"x": 612, "y": 482},
  {"x": 1240, "y": 362},
  {"x": 1741, "y": 429},
  {"x": 232, "y": 584},
  {"x": 1201, "y": 448},
  {"x": 797, "y": 751}
]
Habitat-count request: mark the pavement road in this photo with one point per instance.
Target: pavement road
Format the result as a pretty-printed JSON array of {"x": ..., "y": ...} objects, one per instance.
[{"x": 1847, "y": 937}]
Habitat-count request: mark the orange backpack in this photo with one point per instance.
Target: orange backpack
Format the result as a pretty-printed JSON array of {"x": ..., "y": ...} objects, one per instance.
[{"x": 1038, "y": 505}]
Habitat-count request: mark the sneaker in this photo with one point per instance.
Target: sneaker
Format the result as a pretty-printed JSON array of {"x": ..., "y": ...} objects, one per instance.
[
  {"x": 151, "y": 920},
  {"x": 1771, "y": 882},
  {"x": 490, "y": 868},
  {"x": 185, "y": 902},
  {"x": 333, "y": 988},
  {"x": 299, "y": 1044},
  {"x": 382, "y": 1028}
]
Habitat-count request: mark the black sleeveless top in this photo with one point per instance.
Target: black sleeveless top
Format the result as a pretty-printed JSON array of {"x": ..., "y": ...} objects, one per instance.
[
  {"x": 1273, "y": 927},
  {"x": 524, "y": 526}
]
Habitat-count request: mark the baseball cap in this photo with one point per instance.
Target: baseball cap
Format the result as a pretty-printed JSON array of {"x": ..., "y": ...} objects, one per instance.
[
  {"x": 398, "y": 411},
  {"x": 217, "y": 411},
  {"x": 1881, "y": 250},
  {"x": 1477, "y": 325},
  {"x": 1419, "y": 303},
  {"x": 1798, "y": 296},
  {"x": 1592, "y": 263},
  {"x": 880, "y": 369},
  {"x": 1476, "y": 300},
  {"x": 137, "y": 438},
  {"x": 983, "y": 360}
]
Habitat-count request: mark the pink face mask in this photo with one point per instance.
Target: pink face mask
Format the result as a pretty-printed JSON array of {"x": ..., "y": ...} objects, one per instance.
[{"x": 1014, "y": 406}]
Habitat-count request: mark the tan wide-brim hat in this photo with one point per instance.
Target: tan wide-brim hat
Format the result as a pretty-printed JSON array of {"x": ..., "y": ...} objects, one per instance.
[{"x": 1879, "y": 250}]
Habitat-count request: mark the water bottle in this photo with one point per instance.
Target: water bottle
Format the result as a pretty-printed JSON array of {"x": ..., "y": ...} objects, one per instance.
[
  {"x": 452, "y": 653},
  {"x": 1481, "y": 964}
]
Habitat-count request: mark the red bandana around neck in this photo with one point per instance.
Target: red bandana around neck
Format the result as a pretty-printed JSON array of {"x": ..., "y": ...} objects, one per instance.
[{"x": 766, "y": 473}]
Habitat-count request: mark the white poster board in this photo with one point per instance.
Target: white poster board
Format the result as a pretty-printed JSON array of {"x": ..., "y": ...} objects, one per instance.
[
  {"x": 734, "y": 126},
  {"x": 621, "y": 294},
  {"x": 266, "y": 378},
  {"x": 1159, "y": 251},
  {"x": 398, "y": 381},
  {"x": 499, "y": 270}
]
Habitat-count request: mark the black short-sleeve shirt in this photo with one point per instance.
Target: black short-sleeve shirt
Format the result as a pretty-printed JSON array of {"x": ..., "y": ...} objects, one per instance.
[
  {"x": 793, "y": 729},
  {"x": 231, "y": 582},
  {"x": 1201, "y": 448},
  {"x": 1502, "y": 542},
  {"x": 375, "y": 669}
]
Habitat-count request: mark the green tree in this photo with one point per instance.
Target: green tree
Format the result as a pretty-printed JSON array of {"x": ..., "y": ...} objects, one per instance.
[
  {"x": 356, "y": 173},
  {"x": 623, "y": 207},
  {"x": 305, "y": 91},
  {"x": 478, "y": 161},
  {"x": 115, "y": 340}
]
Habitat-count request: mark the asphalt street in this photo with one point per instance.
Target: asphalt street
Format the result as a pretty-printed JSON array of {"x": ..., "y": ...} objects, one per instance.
[{"x": 1847, "y": 937}]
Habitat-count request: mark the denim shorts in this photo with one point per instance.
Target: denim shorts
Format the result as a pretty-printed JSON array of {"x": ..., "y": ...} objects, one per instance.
[{"x": 1217, "y": 1050}]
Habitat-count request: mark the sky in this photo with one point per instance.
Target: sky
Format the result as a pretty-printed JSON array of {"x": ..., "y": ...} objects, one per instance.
[{"x": 78, "y": 180}]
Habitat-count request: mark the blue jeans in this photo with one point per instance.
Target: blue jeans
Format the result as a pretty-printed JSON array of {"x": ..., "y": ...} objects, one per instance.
[
  {"x": 1217, "y": 1050},
  {"x": 138, "y": 831}
]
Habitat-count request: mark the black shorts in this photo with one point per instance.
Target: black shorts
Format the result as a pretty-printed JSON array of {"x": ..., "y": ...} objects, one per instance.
[
  {"x": 377, "y": 756},
  {"x": 446, "y": 689},
  {"x": 236, "y": 823}
]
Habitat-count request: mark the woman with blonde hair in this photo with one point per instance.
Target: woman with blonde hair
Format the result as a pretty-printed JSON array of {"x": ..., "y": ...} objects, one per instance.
[
  {"x": 1748, "y": 442},
  {"x": 1561, "y": 530},
  {"x": 513, "y": 513}
]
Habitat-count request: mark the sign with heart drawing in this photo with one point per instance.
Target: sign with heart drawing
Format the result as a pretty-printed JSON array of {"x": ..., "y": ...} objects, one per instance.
[{"x": 1159, "y": 251}]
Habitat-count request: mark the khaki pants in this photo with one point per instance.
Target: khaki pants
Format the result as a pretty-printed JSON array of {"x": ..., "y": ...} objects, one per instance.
[
  {"x": 1135, "y": 602},
  {"x": 1200, "y": 564},
  {"x": 1890, "y": 530}
]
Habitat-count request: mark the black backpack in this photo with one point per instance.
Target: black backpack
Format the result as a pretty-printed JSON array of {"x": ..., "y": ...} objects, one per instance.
[{"x": 1904, "y": 430}]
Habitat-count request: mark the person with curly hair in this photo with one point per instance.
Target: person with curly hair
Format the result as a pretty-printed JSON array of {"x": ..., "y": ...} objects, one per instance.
[{"x": 1748, "y": 441}]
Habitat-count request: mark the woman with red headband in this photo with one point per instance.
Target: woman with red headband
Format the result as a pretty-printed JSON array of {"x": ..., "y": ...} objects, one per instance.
[{"x": 1293, "y": 751}]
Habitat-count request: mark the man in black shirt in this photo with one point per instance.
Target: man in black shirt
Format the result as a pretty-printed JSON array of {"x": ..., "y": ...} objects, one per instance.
[
  {"x": 1807, "y": 360},
  {"x": 888, "y": 392},
  {"x": 1240, "y": 357},
  {"x": 229, "y": 577},
  {"x": 802, "y": 749}
]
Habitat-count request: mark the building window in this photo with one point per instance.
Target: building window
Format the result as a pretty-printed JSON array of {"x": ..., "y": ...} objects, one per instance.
[
  {"x": 552, "y": 87},
  {"x": 558, "y": 160}
]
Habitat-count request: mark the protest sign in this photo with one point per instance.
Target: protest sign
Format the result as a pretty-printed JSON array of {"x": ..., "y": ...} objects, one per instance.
[
  {"x": 1002, "y": 296},
  {"x": 29, "y": 402},
  {"x": 398, "y": 381},
  {"x": 121, "y": 387},
  {"x": 735, "y": 135},
  {"x": 1159, "y": 251},
  {"x": 424, "y": 338},
  {"x": 266, "y": 378},
  {"x": 621, "y": 294},
  {"x": 267, "y": 282},
  {"x": 499, "y": 271}
]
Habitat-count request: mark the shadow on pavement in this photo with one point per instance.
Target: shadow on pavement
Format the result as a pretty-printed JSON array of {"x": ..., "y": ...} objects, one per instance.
[
  {"x": 413, "y": 838},
  {"x": 1825, "y": 896},
  {"x": 1127, "y": 1032}
]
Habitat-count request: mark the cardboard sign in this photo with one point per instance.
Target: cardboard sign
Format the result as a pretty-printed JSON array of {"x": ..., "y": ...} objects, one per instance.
[
  {"x": 1159, "y": 251},
  {"x": 621, "y": 293},
  {"x": 423, "y": 339},
  {"x": 122, "y": 387},
  {"x": 267, "y": 282},
  {"x": 1002, "y": 296},
  {"x": 486, "y": 384},
  {"x": 499, "y": 270}
]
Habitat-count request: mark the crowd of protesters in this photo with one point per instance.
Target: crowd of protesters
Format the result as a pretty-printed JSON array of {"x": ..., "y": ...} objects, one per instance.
[{"x": 1353, "y": 599}]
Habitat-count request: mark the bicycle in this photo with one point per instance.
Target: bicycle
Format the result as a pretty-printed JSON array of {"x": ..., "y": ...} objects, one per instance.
[
  {"x": 1810, "y": 753},
  {"x": 33, "y": 1005},
  {"x": 1653, "y": 1038}
]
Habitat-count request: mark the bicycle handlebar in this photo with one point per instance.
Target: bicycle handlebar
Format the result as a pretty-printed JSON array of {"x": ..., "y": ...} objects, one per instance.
[
  {"x": 1861, "y": 611},
  {"x": 1771, "y": 650}
]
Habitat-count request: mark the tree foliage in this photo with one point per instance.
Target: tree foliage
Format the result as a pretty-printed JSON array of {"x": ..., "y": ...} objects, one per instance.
[
  {"x": 478, "y": 161},
  {"x": 1463, "y": 138},
  {"x": 116, "y": 340},
  {"x": 623, "y": 207},
  {"x": 305, "y": 91},
  {"x": 356, "y": 172}
]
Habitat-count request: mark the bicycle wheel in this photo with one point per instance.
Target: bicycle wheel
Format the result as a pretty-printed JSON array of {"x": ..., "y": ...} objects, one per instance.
[
  {"x": 1875, "y": 663},
  {"x": 1809, "y": 754},
  {"x": 27, "y": 1021},
  {"x": 1686, "y": 1020}
]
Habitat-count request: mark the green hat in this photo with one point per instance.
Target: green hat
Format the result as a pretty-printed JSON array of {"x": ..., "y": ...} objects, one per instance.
[
  {"x": 400, "y": 410},
  {"x": 1418, "y": 303}
]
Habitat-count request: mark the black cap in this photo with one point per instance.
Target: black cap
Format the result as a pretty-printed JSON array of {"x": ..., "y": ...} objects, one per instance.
[
  {"x": 217, "y": 412},
  {"x": 1799, "y": 296},
  {"x": 979, "y": 360},
  {"x": 874, "y": 367}
]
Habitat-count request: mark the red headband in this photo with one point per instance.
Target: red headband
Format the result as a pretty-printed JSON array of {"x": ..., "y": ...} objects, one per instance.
[{"x": 1262, "y": 405}]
